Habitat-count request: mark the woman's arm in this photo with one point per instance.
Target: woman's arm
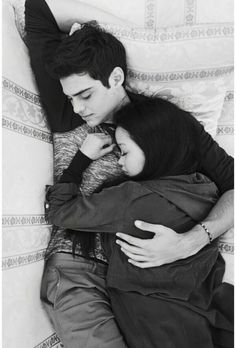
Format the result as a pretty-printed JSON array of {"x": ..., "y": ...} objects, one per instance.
[
  {"x": 65, "y": 207},
  {"x": 95, "y": 145},
  {"x": 100, "y": 212}
]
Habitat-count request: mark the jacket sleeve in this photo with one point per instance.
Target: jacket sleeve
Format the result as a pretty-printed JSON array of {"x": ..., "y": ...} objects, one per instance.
[
  {"x": 100, "y": 212},
  {"x": 74, "y": 172},
  {"x": 214, "y": 161},
  {"x": 43, "y": 37}
]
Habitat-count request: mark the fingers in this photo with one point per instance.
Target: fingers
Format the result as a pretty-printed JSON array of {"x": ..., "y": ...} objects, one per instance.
[
  {"x": 132, "y": 240},
  {"x": 129, "y": 248},
  {"x": 145, "y": 226},
  {"x": 100, "y": 136},
  {"x": 139, "y": 258},
  {"x": 97, "y": 145},
  {"x": 104, "y": 139},
  {"x": 147, "y": 264},
  {"x": 107, "y": 149}
]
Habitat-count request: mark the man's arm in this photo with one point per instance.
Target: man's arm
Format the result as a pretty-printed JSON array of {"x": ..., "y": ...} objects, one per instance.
[
  {"x": 44, "y": 23},
  {"x": 167, "y": 246},
  {"x": 43, "y": 37}
]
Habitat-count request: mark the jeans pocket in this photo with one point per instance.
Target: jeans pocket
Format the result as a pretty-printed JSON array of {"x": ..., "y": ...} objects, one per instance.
[{"x": 50, "y": 285}]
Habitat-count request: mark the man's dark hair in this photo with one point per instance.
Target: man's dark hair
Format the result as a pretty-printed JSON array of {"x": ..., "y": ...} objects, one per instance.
[
  {"x": 89, "y": 50},
  {"x": 165, "y": 133}
]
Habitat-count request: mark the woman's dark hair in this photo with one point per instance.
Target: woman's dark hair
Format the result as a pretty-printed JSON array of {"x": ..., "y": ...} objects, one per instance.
[
  {"x": 89, "y": 50},
  {"x": 165, "y": 133}
]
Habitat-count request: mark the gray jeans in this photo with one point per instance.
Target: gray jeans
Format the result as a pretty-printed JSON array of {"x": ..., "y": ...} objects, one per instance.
[{"x": 74, "y": 294}]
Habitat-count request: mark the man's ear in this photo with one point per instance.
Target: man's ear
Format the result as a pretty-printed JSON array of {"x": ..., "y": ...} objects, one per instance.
[{"x": 116, "y": 77}]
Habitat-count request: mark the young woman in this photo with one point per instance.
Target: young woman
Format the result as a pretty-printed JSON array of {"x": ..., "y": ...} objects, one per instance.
[{"x": 174, "y": 305}]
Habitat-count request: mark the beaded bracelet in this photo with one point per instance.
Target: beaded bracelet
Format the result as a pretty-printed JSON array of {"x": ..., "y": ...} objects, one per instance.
[{"x": 207, "y": 231}]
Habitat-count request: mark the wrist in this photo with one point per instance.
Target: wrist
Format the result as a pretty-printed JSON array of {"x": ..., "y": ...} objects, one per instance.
[
  {"x": 203, "y": 225},
  {"x": 86, "y": 153},
  {"x": 194, "y": 240}
]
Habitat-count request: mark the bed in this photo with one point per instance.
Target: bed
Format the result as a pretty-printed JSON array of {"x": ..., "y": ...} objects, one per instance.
[{"x": 187, "y": 57}]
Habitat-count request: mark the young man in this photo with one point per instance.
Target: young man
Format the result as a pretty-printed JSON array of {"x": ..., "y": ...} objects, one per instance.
[{"x": 91, "y": 69}]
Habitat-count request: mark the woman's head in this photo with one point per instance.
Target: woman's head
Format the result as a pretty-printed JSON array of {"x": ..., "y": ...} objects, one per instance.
[
  {"x": 156, "y": 139},
  {"x": 132, "y": 157}
]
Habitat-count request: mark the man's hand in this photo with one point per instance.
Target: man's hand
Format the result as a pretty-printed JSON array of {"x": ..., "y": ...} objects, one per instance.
[
  {"x": 165, "y": 247},
  {"x": 97, "y": 145},
  {"x": 161, "y": 249}
]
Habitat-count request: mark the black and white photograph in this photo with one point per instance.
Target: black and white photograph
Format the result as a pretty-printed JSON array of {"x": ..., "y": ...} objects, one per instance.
[{"x": 117, "y": 173}]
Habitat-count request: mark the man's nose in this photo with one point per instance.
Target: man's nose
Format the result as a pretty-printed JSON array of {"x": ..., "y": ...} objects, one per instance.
[{"x": 78, "y": 107}]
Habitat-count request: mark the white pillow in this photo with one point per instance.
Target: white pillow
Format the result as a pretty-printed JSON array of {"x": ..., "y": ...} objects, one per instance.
[
  {"x": 185, "y": 54},
  {"x": 225, "y": 128},
  {"x": 226, "y": 247},
  {"x": 176, "y": 63},
  {"x": 151, "y": 14},
  {"x": 27, "y": 168},
  {"x": 204, "y": 99}
]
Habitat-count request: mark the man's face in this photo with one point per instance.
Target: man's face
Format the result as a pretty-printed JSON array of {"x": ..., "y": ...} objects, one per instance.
[{"x": 90, "y": 99}]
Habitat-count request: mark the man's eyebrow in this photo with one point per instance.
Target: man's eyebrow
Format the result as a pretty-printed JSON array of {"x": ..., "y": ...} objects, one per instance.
[{"x": 80, "y": 92}]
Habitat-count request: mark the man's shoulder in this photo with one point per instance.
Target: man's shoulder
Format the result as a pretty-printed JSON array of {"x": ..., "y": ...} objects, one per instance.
[
  {"x": 80, "y": 130},
  {"x": 36, "y": 6},
  {"x": 135, "y": 97}
]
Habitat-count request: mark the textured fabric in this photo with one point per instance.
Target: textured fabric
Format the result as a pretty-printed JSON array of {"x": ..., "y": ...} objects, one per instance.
[{"x": 74, "y": 294}]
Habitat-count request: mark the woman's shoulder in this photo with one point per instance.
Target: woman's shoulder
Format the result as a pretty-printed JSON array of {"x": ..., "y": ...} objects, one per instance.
[
  {"x": 182, "y": 181},
  {"x": 193, "y": 185},
  {"x": 132, "y": 186},
  {"x": 193, "y": 178}
]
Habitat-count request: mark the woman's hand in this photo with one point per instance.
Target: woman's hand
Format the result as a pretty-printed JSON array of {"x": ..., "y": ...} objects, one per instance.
[
  {"x": 97, "y": 145},
  {"x": 166, "y": 246}
]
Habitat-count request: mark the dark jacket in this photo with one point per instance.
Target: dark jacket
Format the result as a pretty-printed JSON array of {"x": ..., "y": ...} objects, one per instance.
[
  {"x": 178, "y": 202},
  {"x": 181, "y": 304}
]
